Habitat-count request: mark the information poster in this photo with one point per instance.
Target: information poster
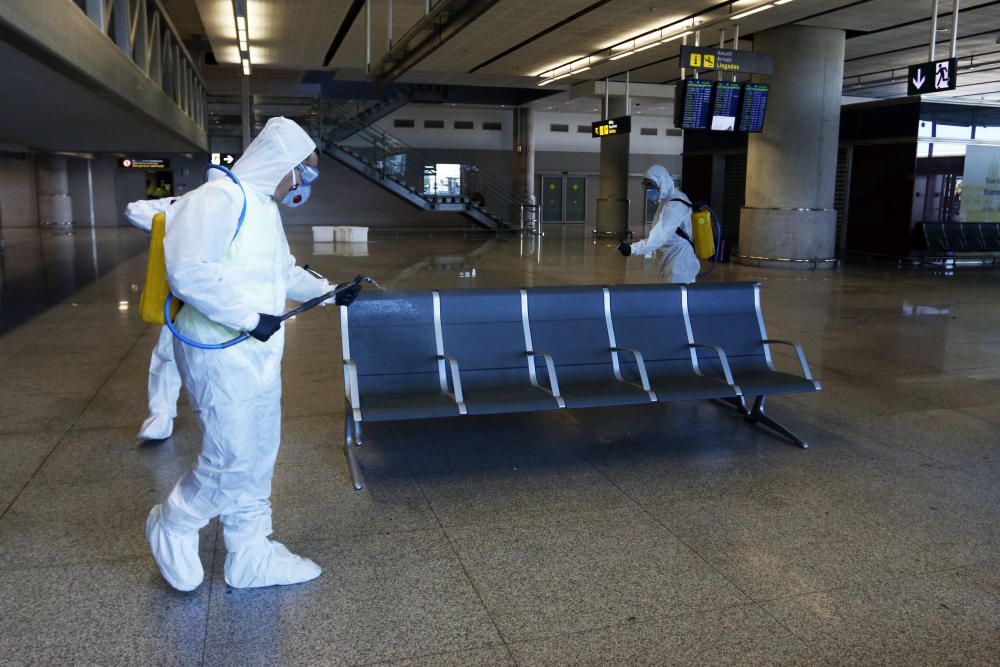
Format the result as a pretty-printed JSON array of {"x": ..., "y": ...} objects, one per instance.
[{"x": 981, "y": 185}]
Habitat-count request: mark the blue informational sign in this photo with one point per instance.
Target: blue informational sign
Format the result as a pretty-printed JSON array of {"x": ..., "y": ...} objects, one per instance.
[
  {"x": 693, "y": 104},
  {"x": 753, "y": 108},
  {"x": 725, "y": 105}
]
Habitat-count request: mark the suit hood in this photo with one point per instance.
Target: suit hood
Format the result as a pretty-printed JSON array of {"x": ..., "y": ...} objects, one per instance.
[{"x": 280, "y": 146}]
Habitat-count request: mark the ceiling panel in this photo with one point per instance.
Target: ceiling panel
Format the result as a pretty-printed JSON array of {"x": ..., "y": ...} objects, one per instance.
[{"x": 884, "y": 35}]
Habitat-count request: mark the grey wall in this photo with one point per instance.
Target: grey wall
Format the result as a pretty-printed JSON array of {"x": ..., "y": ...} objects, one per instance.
[{"x": 18, "y": 205}]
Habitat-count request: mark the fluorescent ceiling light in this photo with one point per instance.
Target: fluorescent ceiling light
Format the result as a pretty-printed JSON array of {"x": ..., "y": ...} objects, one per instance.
[
  {"x": 781, "y": 2},
  {"x": 562, "y": 76},
  {"x": 748, "y": 12},
  {"x": 677, "y": 36},
  {"x": 241, "y": 35},
  {"x": 246, "y": 67},
  {"x": 621, "y": 55},
  {"x": 241, "y": 23},
  {"x": 243, "y": 45}
]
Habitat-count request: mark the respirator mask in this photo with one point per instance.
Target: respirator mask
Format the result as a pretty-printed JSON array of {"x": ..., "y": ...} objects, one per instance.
[
  {"x": 302, "y": 187},
  {"x": 651, "y": 189}
]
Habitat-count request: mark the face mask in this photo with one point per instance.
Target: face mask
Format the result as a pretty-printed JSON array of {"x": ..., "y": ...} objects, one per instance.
[
  {"x": 652, "y": 192},
  {"x": 299, "y": 194}
]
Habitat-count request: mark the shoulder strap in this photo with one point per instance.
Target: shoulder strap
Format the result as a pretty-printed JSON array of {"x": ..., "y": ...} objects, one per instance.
[{"x": 234, "y": 179}]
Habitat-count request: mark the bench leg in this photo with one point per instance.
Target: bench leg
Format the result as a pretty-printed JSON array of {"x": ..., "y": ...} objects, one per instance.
[
  {"x": 357, "y": 434},
  {"x": 352, "y": 462},
  {"x": 737, "y": 402},
  {"x": 757, "y": 416}
]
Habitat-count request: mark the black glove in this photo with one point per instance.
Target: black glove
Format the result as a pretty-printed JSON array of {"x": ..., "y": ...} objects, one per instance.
[
  {"x": 349, "y": 294},
  {"x": 266, "y": 327},
  {"x": 625, "y": 249}
]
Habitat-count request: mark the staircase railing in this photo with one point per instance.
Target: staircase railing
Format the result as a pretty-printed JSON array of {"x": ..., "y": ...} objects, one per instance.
[{"x": 395, "y": 159}]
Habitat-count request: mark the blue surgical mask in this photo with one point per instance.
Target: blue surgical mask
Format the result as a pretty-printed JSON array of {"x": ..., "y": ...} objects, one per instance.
[{"x": 299, "y": 194}]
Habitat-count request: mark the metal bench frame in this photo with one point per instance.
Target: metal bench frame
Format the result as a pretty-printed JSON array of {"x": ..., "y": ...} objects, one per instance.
[{"x": 450, "y": 372}]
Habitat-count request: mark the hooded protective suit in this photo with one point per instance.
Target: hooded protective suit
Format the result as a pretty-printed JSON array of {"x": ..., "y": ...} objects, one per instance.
[
  {"x": 225, "y": 279},
  {"x": 164, "y": 385},
  {"x": 678, "y": 263}
]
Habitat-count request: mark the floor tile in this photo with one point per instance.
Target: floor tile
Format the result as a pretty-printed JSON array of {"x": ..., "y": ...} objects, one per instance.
[
  {"x": 585, "y": 571},
  {"x": 118, "y": 612},
  {"x": 932, "y": 619},
  {"x": 21, "y": 454},
  {"x": 380, "y": 598},
  {"x": 739, "y": 635}
]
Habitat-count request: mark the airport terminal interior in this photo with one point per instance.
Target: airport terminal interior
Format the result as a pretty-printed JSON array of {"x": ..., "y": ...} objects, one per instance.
[{"x": 501, "y": 170}]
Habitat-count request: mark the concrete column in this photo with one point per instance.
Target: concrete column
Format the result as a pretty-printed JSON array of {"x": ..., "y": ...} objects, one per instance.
[
  {"x": 789, "y": 220},
  {"x": 612, "y": 198},
  {"x": 55, "y": 208},
  {"x": 524, "y": 152}
]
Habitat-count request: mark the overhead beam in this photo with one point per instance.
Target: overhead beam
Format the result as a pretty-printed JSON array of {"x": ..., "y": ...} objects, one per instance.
[
  {"x": 446, "y": 19},
  {"x": 345, "y": 27}
]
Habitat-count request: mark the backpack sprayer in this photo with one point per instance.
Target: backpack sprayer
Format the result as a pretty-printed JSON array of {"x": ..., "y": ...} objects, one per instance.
[
  {"x": 703, "y": 236},
  {"x": 157, "y": 304}
]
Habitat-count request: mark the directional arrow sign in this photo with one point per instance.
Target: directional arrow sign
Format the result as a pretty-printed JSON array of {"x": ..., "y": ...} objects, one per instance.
[
  {"x": 228, "y": 159},
  {"x": 932, "y": 77}
]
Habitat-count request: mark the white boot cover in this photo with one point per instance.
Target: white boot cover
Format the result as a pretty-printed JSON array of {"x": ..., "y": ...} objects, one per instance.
[
  {"x": 268, "y": 563},
  {"x": 176, "y": 552}
]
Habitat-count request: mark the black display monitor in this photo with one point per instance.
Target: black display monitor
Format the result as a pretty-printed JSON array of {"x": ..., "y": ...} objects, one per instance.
[
  {"x": 725, "y": 106},
  {"x": 692, "y": 106},
  {"x": 752, "y": 109}
]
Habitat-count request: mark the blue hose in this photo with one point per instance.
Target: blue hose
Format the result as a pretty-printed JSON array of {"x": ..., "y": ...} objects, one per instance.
[{"x": 170, "y": 296}]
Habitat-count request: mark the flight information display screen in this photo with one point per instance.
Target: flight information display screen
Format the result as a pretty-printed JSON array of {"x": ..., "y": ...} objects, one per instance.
[
  {"x": 694, "y": 102},
  {"x": 753, "y": 107},
  {"x": 725, "y": 105}
]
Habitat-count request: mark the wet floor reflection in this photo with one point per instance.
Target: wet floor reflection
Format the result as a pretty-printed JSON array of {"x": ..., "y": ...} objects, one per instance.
[{"x": 39, "y": 267}]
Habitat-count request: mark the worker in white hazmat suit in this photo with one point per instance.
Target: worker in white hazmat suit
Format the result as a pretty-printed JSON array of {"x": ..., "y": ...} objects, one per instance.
[
  {"x": 233, "y": 280},
  {"x": 164, "y": 384},
  {"x": 678, "y": 262}
]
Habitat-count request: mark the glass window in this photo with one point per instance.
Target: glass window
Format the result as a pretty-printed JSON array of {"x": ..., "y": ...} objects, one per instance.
[
  {"x": 923, "y": 149},
  {"x": 926, "y": 129},
  {"x": 953, "y": 131},
  {"x": 988, "y": 133},
  {"x": 942, "y": 149}
]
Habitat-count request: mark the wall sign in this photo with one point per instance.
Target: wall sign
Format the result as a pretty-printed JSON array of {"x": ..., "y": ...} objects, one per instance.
[
  {"x": 932, "y": 77},
  {"x": 727, "y": 60},
  {"x": 612, "y": 126},
  {"x": 134, "y": 163}
]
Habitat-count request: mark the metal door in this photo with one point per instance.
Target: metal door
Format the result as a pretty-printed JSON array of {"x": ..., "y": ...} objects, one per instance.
[
  {"x": 552, "y": 198},
  {"x": 576, "y": 199}
]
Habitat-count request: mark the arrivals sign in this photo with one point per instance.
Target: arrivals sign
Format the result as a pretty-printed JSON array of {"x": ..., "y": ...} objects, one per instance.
[
  {"x": 727, "y": 60},
  {"x": 612, "y": 126},
  {"x": 932, "y": 77},
  {"x": 134, "y": 163}
]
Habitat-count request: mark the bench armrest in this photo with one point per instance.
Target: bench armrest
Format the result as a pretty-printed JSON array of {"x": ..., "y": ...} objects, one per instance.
[
  {"x": 806, "y": 372},
  {"x": 550, "y": 366},
  {"x": 640, "y": 362},
  {"x": 351, "y": 384},
  {"x": 456, "y": 380},
  {"x": 722, "y": 358}
]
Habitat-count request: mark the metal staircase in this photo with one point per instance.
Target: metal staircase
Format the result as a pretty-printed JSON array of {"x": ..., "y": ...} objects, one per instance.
[
  {"x": 369, "y": 113},
  {"x": 390, "y": 163}
]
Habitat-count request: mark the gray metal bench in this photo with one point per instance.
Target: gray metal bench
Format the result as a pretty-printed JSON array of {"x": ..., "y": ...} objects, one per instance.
[{"x": 422, "y": 354}]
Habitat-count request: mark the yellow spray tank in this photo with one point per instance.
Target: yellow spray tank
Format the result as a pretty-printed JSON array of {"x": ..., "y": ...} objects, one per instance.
[
  {"x": 703, "y": 232},
  {"x": 156, "y": 289}
]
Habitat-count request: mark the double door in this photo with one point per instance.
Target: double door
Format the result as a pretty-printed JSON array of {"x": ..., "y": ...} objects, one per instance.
[{"x": 564, "y": 199}]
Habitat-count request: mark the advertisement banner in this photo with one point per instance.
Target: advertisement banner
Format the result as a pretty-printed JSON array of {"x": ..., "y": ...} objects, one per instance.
[{"x": 981, "y": 185}]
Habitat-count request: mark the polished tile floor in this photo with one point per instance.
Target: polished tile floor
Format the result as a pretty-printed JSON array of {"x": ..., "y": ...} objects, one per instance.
[{"x": 657, "y": 535}]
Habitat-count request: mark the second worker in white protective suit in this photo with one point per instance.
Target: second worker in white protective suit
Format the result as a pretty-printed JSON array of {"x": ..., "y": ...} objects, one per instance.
[
  {"x": 164, "y": 384},
  {"x": 678, "y": 262},
  {"x": 232, "y": 281}
]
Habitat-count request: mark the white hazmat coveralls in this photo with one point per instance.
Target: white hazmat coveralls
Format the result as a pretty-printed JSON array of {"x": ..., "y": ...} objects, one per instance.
[
  {"x": 164, "y": 384},
  {"x": 678, "y": 263},
  {"x": 225, "y": 279}
]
